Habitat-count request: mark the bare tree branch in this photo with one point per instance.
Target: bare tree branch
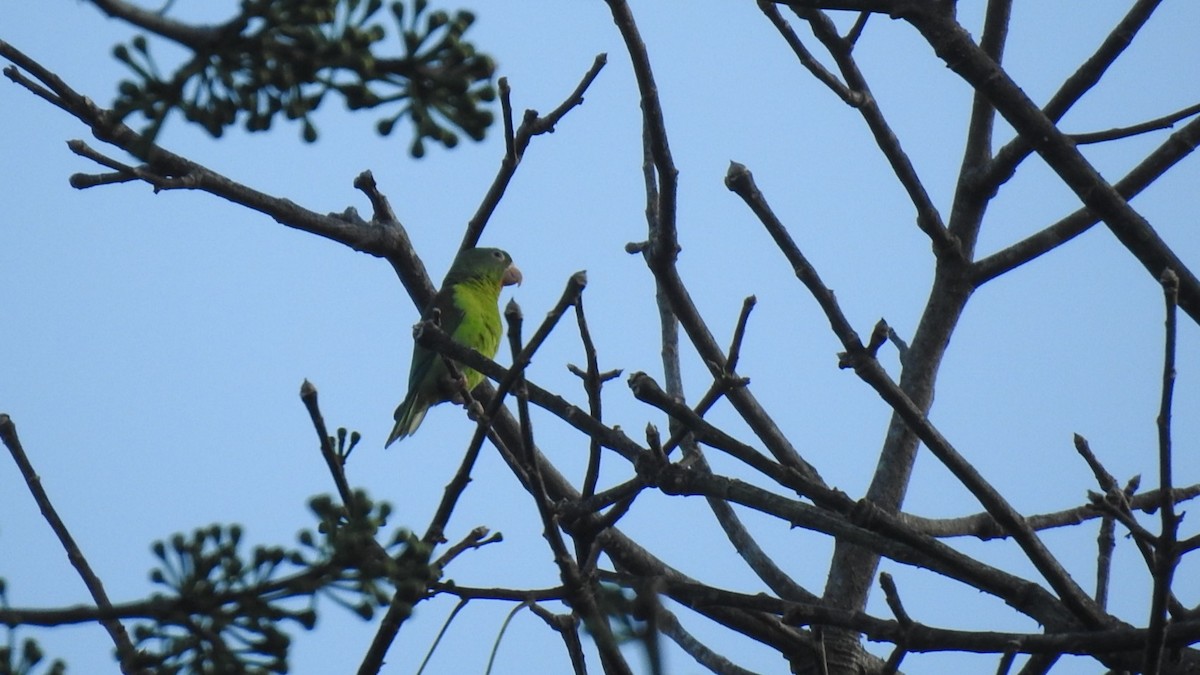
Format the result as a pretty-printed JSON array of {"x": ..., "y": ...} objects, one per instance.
[
  {"x": 921, "y": 638},
  {"x": 1165, "y": 556},
  {"x": 819, "y": 71},
  {"x": 1177, "y": 147},
  {"x": 984, "y": 526},
  {"x": 1164, "y": 122},
  {"x": 955, "y": 46},
  {"x": 810, "y": 632},
  {"x": 126, "y": 654},
  {"x": 1080, "y": 82},
  {"x": 531, "y": 125},
  {"x": 669, "y": 624},
  {"x": 970, "y": 198},
  {"x": 868, "y": 368},
  {"x": 580, "y": 588},
  {"x": 160, "y": 24},
  {"x": 928, "y": 218}
]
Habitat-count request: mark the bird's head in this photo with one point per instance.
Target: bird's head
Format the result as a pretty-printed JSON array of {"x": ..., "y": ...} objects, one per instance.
[{"x": 486, "y": 263}]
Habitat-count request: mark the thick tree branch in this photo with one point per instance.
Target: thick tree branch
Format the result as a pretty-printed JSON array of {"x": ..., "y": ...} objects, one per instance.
[
  {"x": 160, "y": 24},
  {"x": 921, "y": 638},
  {"x": 954, "y": 45},
  {"x": 669, "y": 624},
  {"x": 970, "y": 201},
  {"x": 1178, "y": 146},
  {"x": 1080, "y": 82},
  {"x": 984, "y": 526}
]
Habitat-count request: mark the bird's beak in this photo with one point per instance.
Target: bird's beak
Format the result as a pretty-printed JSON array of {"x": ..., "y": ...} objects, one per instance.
[{"x": 512, "y": 275}]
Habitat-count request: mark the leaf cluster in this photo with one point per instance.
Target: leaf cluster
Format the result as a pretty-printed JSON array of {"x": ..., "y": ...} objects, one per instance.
[
  {"x": 226, "y": 609},
  {"x": 282, "y": 57}
]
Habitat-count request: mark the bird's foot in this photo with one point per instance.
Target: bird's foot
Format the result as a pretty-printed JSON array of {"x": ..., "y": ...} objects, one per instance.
[{"x": 475, "y": 411}]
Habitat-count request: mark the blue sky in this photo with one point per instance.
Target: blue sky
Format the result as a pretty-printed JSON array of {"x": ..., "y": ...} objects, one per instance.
[{"x": 153, "y": 346}]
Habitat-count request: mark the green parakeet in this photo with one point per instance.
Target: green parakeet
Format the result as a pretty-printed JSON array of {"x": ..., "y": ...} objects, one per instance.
[{"x": 469, "y": 315}]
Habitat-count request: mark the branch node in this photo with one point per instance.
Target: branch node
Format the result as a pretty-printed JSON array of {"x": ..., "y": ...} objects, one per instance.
[{"x": 879, "y": 335}]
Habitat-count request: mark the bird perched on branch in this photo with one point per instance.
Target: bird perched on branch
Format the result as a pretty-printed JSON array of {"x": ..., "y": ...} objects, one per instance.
[{"x": 467, "y": 308}]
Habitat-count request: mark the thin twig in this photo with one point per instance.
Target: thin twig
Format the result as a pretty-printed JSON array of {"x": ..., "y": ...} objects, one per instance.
[
  {"x": 381, "y": 208},
  {"x": 983, "y": 526},
  {"x": 512, "y": 314},
  {"x": 868, "y": 368},
  {"x": 723, "y": 383},
  {"x": 1106, "y": 541},
  {"x": 1039, "y": 664},
  {"x": 1164, "y": 122},
  {"x": 740, "y": 181},
  {"x": 892, "y": 595},
  {"x": 126, "y": 653},
  {"x": 441, "y": 633},
  {"x": 929, "y": 220},
  {"x": 83, "y": 181},
  {"x": 669, "y": 624},
  {"x": 1165, "y": 556},
  {"x": 660, "y": 207},
  {"x": 1173, "y": 150},
  {"x": 857, "y": 29},
  {"x": 892, "y": 665},
  {"x": 1080, "y": 82},
  {"x": 510, "y": 145},
  {"x": 476, "y": 538},
  {"x": 1104, "y": 479},
  {"x": 580, "y": 591},
  {"x": 592, "y": 382},
  {"x": 56, "y": 92},
  {"x": 970, "y": 197},
  {"x": 739, "y": 333},
  {"x": 337, "y": 468},
  {"x": 1117, "y": 503},
  {"x": 1006, "y": 662},
  {"x": 500, "y": 636},
  {"x": 567, "y": 626},
  {"x": 531, "y": 125},
  {"x": 850, "y": 98},
  {"x": 601, "y": 500}
]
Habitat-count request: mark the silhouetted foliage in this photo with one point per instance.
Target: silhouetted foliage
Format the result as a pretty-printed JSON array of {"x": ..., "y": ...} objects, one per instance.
[{"x": 283, "y": 57}]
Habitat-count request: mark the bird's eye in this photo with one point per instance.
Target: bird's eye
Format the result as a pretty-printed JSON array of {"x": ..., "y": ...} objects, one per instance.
[{"x": 498, "y": 255}]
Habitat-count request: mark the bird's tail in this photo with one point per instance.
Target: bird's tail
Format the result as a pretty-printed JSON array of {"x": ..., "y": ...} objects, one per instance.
[{"x": 408, "y": 417}]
